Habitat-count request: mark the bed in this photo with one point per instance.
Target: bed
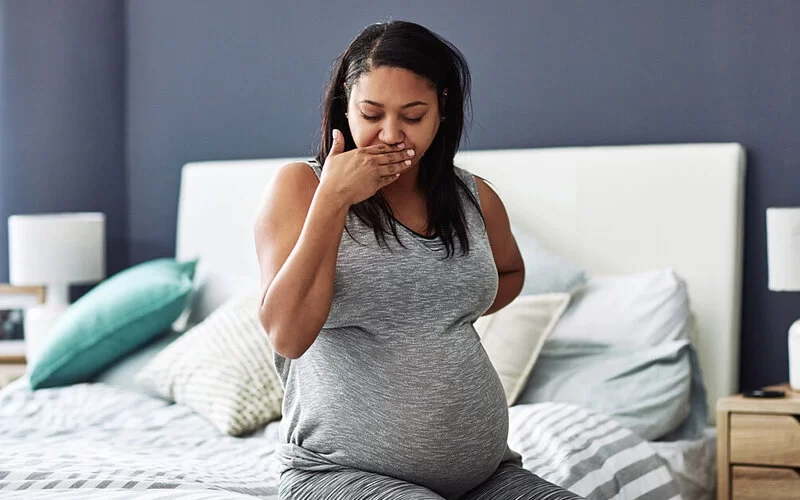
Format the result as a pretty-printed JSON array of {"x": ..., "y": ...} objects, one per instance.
[{"x": 611, "y": 210}]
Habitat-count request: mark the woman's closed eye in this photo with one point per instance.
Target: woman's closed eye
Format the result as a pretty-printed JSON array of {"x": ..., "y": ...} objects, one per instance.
[{"x": 374, "y": 118}]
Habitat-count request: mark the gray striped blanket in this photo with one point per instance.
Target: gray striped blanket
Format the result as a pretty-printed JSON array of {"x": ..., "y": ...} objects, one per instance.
[{"x": 97, "y": 441}]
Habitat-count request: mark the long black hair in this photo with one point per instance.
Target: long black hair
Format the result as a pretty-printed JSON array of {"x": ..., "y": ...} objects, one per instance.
[{"x": 407, "y": 45}]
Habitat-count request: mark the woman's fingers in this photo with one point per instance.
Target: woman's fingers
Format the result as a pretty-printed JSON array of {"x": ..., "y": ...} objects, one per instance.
[
  {"x": 383, "y": 148},
  {"x": 387, "y": 161},
  {"x": 395, "y": 157},
  {"x": 385, "y": 154},
  {"x": 338, "y": 143},
  {"x": 394, "y": 168}
]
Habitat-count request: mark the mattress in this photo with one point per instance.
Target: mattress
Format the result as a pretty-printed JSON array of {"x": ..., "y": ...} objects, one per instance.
[{"x": 98, "y": 441}]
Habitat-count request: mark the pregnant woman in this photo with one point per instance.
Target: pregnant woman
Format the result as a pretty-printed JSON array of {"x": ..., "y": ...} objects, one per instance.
[{"x": 376, "y": 259}]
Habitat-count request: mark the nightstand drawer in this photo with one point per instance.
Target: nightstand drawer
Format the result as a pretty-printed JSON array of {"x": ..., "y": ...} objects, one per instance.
[
  {"x": 764, "y": 439},
  {"x": 752, "y": 483}
]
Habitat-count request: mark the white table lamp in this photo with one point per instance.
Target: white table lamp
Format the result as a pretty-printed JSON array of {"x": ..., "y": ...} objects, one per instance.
[
  {"x": 783, "y": 256},
  {"x": 55, "y": 250}
]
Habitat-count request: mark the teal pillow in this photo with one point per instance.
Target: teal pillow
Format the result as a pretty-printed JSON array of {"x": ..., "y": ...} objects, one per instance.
[
  {"x": 123, "y": 372},
  {"x": 113, "y": 319}
]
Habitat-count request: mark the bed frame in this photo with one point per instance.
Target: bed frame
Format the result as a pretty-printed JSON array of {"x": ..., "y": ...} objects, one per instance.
[{"x": 610, "y": 209}]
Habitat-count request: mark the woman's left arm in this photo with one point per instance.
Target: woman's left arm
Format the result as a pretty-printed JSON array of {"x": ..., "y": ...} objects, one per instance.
[{"x": 510, "y": 268}]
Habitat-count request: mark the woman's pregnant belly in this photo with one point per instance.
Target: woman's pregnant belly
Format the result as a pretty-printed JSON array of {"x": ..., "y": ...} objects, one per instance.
[{"x": 429, "y": 409}]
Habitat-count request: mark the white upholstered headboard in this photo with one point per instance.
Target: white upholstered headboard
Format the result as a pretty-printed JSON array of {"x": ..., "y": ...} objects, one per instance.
[{"x": 609, "y": 209}]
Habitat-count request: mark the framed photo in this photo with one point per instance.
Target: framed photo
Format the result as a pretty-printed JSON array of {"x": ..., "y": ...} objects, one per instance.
[{"x": 14, "y": 300}]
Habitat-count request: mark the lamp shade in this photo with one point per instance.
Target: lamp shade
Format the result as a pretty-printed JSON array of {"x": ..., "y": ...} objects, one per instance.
[
  {"x": 64, "y": 248},
  {"x": 783, "y": 249}
]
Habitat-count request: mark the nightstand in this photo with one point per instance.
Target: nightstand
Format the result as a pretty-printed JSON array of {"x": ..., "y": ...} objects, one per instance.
[
  {"x": 758, "y": 447},
  {"x": 10, "y": 371}
]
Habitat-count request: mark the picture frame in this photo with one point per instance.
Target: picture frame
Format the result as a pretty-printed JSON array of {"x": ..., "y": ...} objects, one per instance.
[{"x": 14, "y": 300}]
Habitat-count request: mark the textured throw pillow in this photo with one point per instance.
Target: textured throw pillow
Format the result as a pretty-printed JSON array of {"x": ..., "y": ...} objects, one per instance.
[
  {"x": 113, "y": 319},
  {"x": 513, "y": 336},
  {"x": 222, "y": 369},
  {"x": 545, "y": 272},
  {"x": 645, "y": 388},
  {"x": 640, "y": 309}
]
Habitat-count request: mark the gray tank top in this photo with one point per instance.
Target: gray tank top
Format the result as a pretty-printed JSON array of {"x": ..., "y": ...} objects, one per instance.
[{"x": 397, "y": 382}]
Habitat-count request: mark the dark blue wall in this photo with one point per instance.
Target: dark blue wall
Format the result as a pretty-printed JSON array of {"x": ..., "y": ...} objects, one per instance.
[
  {"x": 62, "y": 115},
  {"x": 216, "y": 79}
]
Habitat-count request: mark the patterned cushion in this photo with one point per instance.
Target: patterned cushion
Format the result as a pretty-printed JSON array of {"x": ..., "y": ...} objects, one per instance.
[
  {"x": 513, "y": 336},
  {"x": 222, "y": 369}
]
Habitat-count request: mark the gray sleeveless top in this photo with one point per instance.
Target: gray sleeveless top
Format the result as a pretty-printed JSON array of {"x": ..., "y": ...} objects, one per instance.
[{"x": 397, "y": 382}]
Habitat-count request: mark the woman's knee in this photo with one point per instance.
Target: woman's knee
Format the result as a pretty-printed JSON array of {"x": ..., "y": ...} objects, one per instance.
[
  {"x": 349, "y": 485},
  {"x": 513, "y": 482}
]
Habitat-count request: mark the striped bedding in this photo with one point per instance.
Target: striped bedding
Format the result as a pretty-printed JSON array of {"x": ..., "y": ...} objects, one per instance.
[{"x": 97, "y": 441}]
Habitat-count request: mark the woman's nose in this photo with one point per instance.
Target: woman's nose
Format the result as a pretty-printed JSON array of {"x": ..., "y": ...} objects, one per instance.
[{"x": 391, "y": 133}]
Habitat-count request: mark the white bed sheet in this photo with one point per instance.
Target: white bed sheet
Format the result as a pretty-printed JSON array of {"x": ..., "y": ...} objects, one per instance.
[
  {"x": 105, "y": 441},
  {"x": 693, "y": 463}
]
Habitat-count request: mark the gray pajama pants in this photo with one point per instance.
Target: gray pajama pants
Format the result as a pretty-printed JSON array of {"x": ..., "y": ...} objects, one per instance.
[{"x": 509, "y": 482}]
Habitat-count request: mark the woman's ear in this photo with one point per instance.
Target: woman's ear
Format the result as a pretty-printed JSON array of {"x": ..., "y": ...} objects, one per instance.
[{"x": 442, "y": 104}]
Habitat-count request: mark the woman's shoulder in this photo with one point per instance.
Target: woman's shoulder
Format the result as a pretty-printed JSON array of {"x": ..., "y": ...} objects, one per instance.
[
  {"x": 466, "y": 176},
  {"x": 469, "y": 179},
  {"x": 299, "y": 171},
  {"x": 294, "y": 177},
  {"x": 485, "y": 193}
]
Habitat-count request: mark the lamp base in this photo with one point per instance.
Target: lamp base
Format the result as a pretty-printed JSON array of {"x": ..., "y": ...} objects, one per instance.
[
  {"x": 37, "y": 324},
  {"x": 794, "y": 355}
]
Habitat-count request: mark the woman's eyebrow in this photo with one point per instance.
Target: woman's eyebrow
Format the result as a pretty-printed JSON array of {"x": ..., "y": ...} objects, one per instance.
[{"x": 409, "y": 105}]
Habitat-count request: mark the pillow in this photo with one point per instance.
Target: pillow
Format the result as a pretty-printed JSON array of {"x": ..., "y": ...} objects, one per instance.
[
  {"x": 513, "y": 336},
  {"x": 645, "y": 388},
  {"x": 123, "y": 372},
  {"x": 695, "y": 424},
  {"x": 221, "y": 369},
  {"x": 544, "y": 271},
  {"x": 113, "y": 319},
  {"x": 640, "y": 309},
  {"x": 211, "y": 289}
]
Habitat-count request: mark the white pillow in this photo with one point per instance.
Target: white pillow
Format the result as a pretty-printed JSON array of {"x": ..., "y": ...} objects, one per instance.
[
  {"x": 211, "y": 290},
  {"x": 513, "y": 336},
  {"x": 637, "y": 309},
  {"x": 222, "y": 369}
]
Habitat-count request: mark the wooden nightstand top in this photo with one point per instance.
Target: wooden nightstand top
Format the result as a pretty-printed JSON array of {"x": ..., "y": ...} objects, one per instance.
[
  {"x": 10, "y": 371},
  {"x": 789, "y": 404}
]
